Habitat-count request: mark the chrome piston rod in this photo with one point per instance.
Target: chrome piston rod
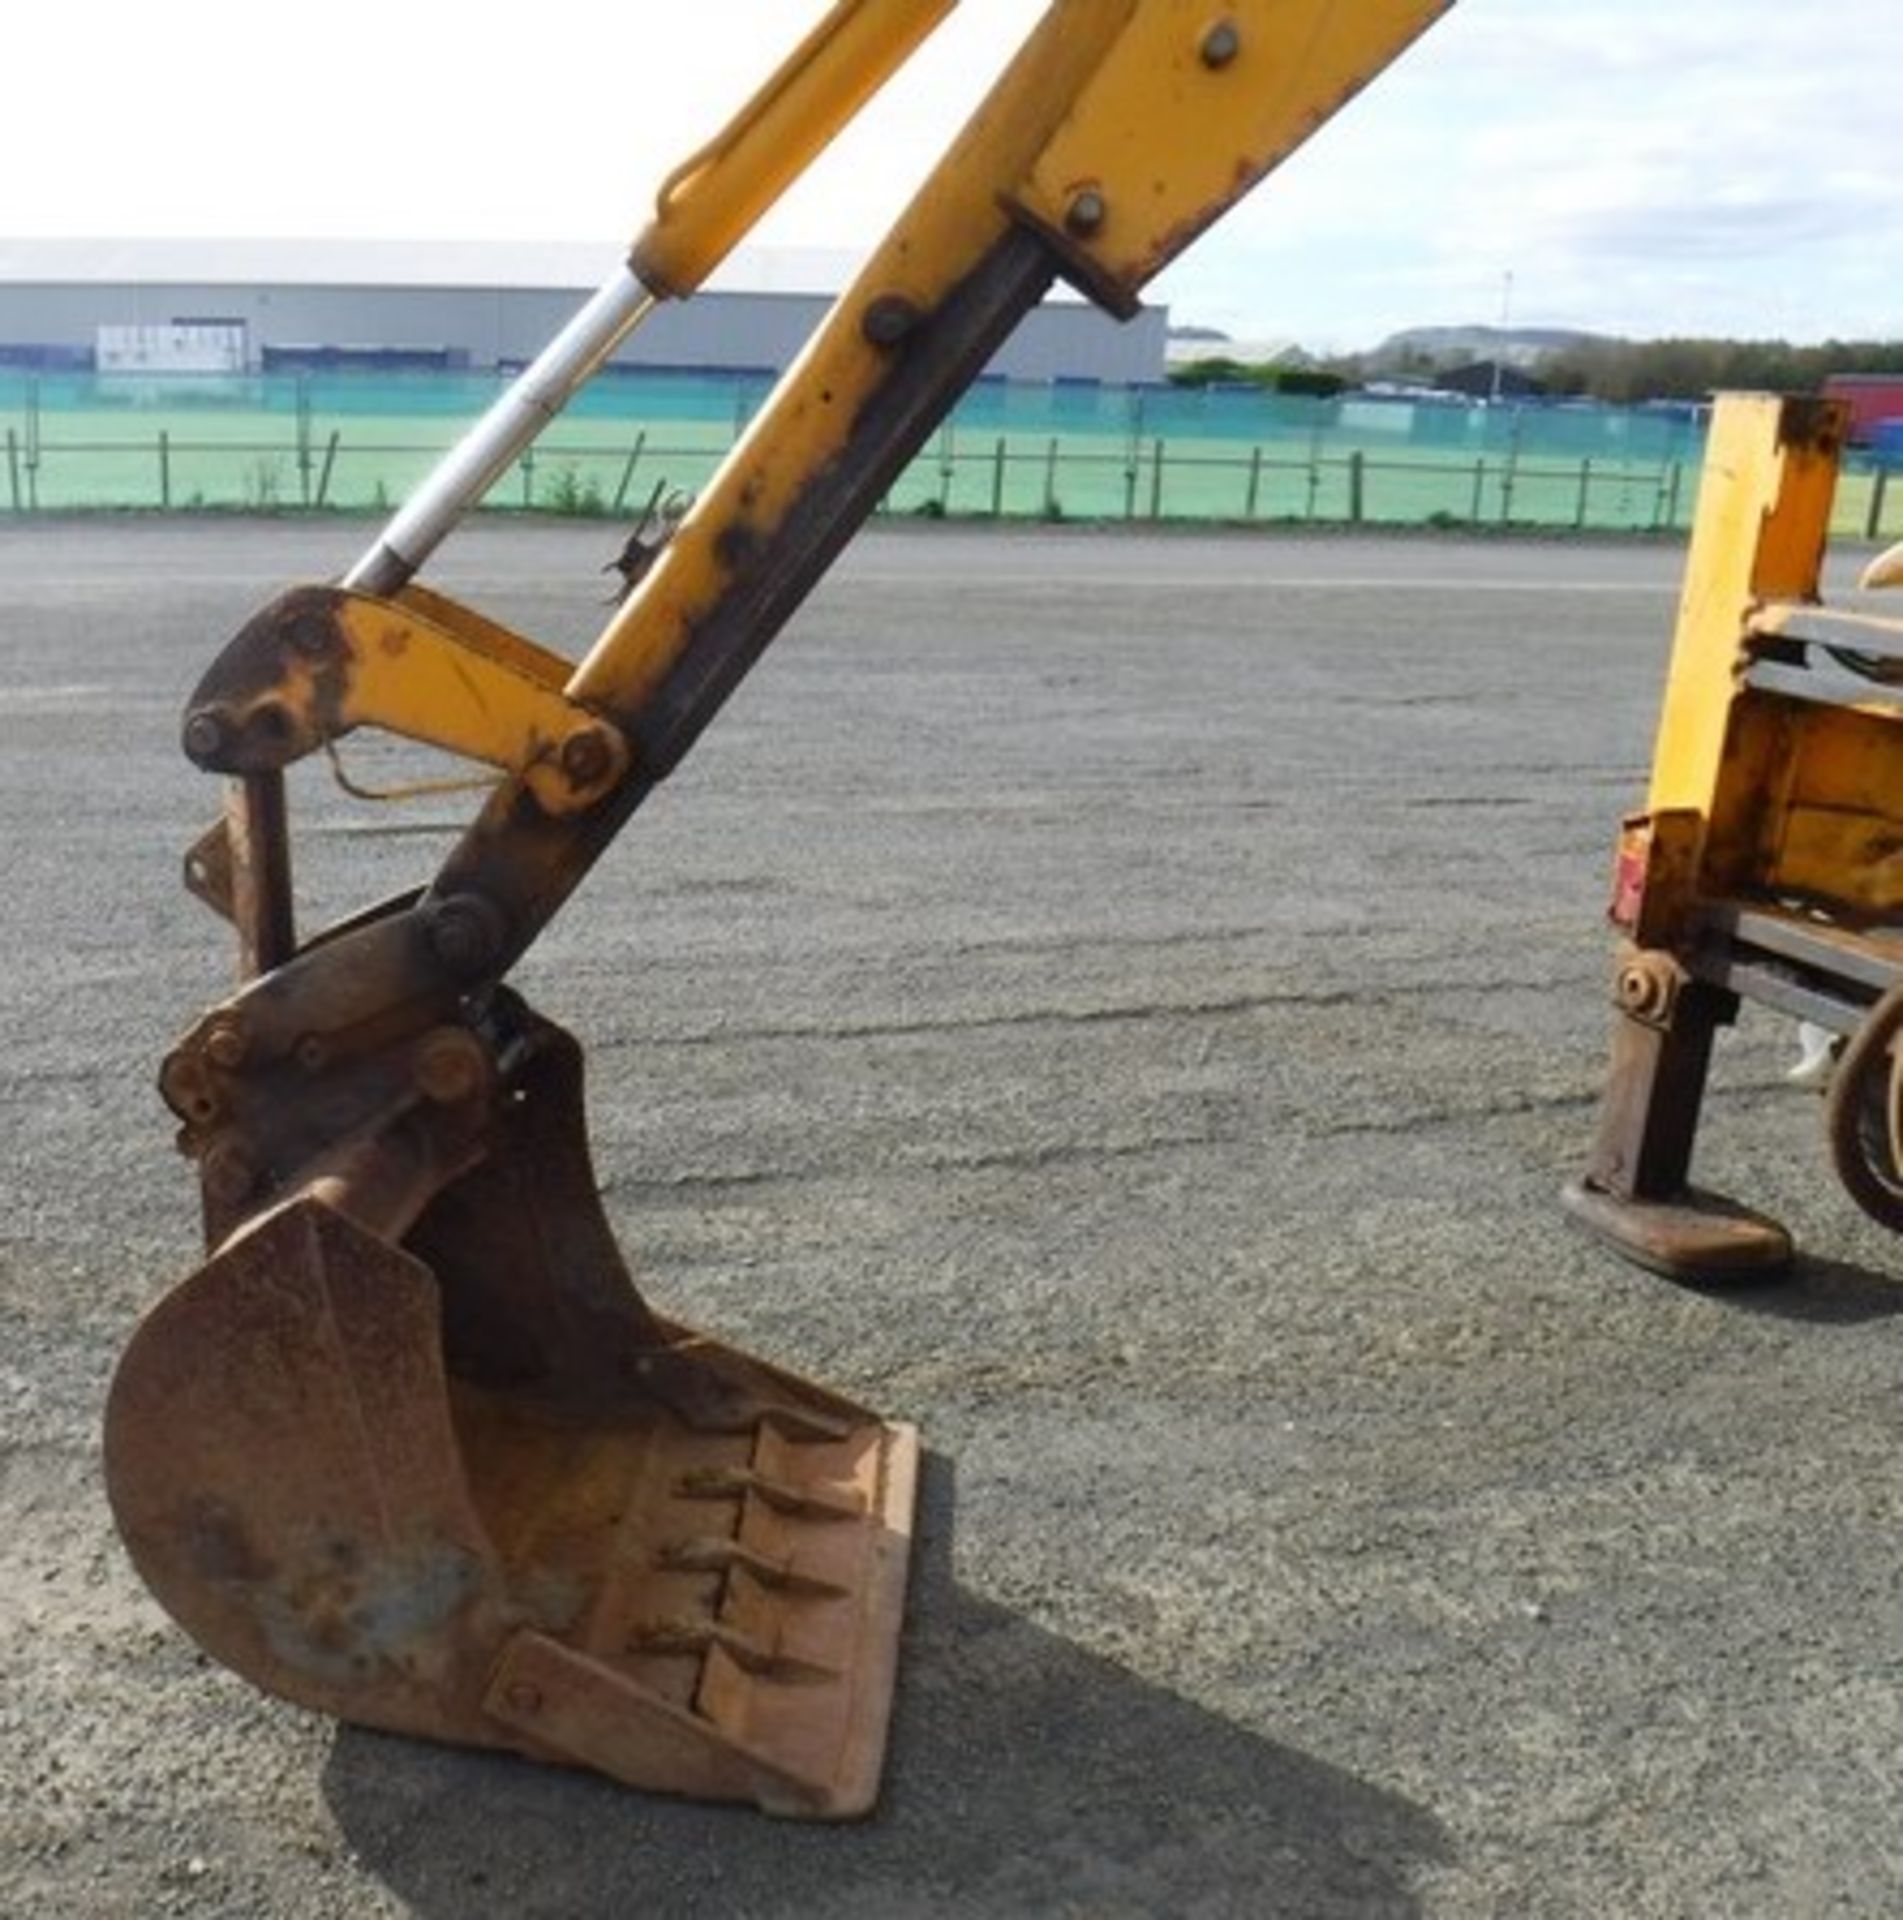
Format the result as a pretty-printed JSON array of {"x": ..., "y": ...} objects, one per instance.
[{"x": 473, "y": 465}]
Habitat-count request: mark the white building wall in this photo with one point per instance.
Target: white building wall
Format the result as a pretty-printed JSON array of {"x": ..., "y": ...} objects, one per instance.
[{"x": 482, "y": 326}]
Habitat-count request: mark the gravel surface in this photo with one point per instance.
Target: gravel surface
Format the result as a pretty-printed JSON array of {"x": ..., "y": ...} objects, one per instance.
[{"x": 1127, "y": 1004}]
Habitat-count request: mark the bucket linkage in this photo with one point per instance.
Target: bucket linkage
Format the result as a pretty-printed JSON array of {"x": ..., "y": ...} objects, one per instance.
[{"x": 409, "y": 1447}]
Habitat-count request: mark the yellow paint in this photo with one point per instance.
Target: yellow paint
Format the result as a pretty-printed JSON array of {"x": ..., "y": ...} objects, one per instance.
[
  {"x": 1192, "y": 105},
  {"x": 1799, "y": 799},
  {"x": 1809, "y": 806},
  {"x": 1763, "y": 520},
  {"x": 426, "y": 668}
]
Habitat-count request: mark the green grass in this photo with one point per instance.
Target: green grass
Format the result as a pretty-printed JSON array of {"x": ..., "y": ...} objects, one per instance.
[{"x": 269, "y": 458}]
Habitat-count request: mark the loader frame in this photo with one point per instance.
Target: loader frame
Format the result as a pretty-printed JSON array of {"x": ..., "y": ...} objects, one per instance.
[{"x": 1767, "y": 865}]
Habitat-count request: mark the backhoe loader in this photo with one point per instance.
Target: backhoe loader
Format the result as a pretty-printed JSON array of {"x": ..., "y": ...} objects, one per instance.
[
  {"x": 409, "y": 1448},
  {"x": 1768, "y": 862}
]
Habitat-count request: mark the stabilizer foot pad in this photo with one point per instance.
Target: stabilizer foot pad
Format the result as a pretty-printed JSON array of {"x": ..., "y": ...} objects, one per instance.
[{"x": 1698, "y": 1236}]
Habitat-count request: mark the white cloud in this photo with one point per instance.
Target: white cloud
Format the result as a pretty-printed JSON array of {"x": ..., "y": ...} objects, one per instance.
[{"x": 1636, "y": 166}]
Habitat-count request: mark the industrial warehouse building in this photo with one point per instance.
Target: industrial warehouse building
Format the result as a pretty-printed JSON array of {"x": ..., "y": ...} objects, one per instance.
[{"x": 251, "y": 306}]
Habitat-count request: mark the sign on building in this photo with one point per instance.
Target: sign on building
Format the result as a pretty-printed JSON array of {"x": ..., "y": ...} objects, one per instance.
[{"x": 178, "y": 346}]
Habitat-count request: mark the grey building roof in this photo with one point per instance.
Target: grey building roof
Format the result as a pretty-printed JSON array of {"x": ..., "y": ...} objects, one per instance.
[{"x": 389, "y": 263}]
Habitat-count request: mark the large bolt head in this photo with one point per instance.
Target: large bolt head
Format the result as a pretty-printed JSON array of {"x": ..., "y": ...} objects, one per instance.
[
  {"x": 889, "y": 319},
  {"x": 464, "y": 933},
  {"x": 207, "y": 734},
  {"x": 587, "y": 757},
  {"x": 1085, "y": 214},
  {"x": 226, "y": 1043},
  {"x": 1221, "y": 44}
]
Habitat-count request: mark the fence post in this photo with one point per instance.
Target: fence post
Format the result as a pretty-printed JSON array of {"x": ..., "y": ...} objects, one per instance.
[
  {"x": 1480, "y": 487},
  {"x": 1585, "y": 489},
  {"x": 1357, "y": 467},
  {"x": 947, "y": 458},
  {"x": 528, "y": 478},
  {"x": 1671, "y": 510},
  {"x": 997, "y": 479},
  {"x": 627, "y": 471},
  {"x": 165, "y": 470},
  {"x": 1510, "y": 481},
  {"x": 330, "y": 459},
  {"x": 1156, "y": 479},
  {"x": 1133, "y": 454},
  {"x": 304, "y": 438},
  {"x": 1255, "y": 482},
  {"x": 13, "y": 467},
  {"x": 33, "y": 444},
  {"x": 1875, "y": 516}
]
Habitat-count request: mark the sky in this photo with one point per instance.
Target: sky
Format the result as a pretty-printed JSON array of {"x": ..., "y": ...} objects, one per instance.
[{"x": 1637, "y": 167}]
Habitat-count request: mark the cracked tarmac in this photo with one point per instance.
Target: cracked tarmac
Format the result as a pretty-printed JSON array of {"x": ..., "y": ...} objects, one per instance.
[{"x": 1126, "y": 1004}]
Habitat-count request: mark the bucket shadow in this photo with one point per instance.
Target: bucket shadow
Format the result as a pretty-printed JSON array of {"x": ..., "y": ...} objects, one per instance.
[{"x": 1025, "y": 1777}]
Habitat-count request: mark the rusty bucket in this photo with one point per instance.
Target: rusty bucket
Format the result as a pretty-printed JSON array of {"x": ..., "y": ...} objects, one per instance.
[{"x": 459, "y": 1481}]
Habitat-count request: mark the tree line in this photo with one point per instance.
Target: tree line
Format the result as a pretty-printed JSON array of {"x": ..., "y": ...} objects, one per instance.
[
  {"x": 1627, "y": 371},
  {"x": 1620, "y": 372}
]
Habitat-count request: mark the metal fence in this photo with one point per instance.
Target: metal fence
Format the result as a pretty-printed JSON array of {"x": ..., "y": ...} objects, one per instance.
[{"x": 355, "y": 442}]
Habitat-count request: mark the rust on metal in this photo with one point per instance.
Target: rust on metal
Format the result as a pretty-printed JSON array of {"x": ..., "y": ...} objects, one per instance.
[
  {"x": 320, "y": 662},
  {"x": 1662, "y": 1039},
  {"x": 1697, "y": 1236},
  {"x": 257, "y": 873},
  {"x": 411, "y": 1449}
]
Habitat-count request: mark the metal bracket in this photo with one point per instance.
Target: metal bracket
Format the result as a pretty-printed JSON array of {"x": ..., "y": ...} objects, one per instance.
[{"x": 320, "y": 661}]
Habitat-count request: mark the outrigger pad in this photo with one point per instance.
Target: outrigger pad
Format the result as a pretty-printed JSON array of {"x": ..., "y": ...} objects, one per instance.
[
  {"x": 680, "y": 1566},
  {"x": 1696, "y": 1237}
]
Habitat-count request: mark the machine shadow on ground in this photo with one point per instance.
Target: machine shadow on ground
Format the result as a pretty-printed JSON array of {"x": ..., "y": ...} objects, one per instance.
[
  {"x": 1025, "y": 1776},
  {"x": 1815, "y": 1291}
]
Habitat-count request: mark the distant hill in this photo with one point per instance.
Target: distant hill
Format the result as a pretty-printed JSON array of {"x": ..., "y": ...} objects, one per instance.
[
  {"x": 1189, "y": 344},
  {"x": 1512, "y": 346}
]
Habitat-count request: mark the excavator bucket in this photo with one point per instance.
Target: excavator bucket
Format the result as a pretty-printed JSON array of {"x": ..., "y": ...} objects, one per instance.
[{"x": 469, "y": 1487}]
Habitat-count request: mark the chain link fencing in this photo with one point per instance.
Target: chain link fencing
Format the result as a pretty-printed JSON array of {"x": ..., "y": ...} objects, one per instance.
[{"x": 360, "y": 441}]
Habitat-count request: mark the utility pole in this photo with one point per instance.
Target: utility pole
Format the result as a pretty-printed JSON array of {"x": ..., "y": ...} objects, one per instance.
[{"x": 1500, "y": 346}]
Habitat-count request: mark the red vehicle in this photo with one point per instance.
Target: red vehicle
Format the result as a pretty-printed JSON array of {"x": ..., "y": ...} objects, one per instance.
[{"x": 1871, "y": 397}]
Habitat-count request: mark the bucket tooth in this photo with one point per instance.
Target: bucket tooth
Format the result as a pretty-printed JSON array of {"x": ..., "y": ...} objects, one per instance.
[
  {"x": 763, "y": 1661},
  {"x": 729, "y": 1556},
  {"x": 691, "y": 1675},
  {"x": 783, "y": 1496}
]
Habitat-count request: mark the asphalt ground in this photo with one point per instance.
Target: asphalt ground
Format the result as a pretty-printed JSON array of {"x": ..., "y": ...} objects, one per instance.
[{"x": 1127, "y": 1004}]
